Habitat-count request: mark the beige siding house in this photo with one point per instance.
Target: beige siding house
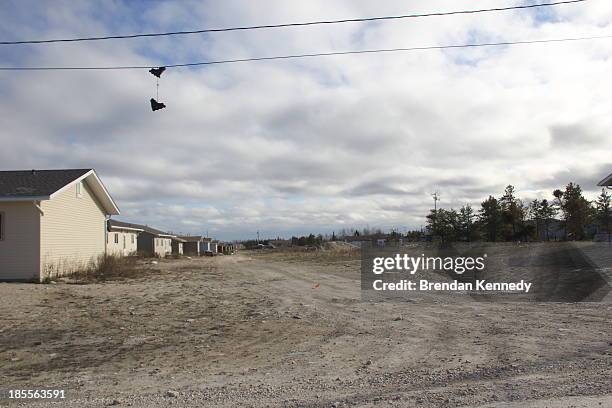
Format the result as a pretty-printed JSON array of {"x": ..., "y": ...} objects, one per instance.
[
  {"x": 153, "y": 242},
  {"x": 52, "y": 222},
  {"x": 163, "y": 246},
  {"x": 178, "y": 245},
  {"x": 122, "y": 238},
  {"x": 193, "y": 244}
]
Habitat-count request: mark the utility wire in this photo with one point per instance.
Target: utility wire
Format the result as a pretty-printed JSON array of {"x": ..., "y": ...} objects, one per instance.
[
  {"x": 318, "y": 54},
  {"x": 309, "y": 23}
]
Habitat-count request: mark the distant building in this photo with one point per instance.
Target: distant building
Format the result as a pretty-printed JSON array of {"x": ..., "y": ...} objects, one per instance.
[
  {"x": 379, "y": 240},
  {"x": 207, "y": 245},
  {"x": 122, "y": 238},
  {"x": 225, "y": 248},
  {"x": 153, "y": 242},
  {"x": 193, "y": 245},
  {"x": 177, "y": 245}
]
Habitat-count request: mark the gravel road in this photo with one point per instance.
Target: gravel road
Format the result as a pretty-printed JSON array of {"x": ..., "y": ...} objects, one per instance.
[{"x": 282, "y": 329}]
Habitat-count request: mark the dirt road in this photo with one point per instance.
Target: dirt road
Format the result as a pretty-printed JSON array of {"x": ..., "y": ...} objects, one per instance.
[{"x": 274, "y": 329}]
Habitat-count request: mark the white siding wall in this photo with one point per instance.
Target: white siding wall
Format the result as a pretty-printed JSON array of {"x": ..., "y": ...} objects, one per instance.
[
  {"x": 127, "y": 243},
  {"x": 72, "y": 232},
  {"x": 20, "y": 248},
  {"x": 163, "y": 247}
]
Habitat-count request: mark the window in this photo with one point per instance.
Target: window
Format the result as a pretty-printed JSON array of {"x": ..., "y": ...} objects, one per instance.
[
  {"x": 1, "y": 226},
  {"x": 116, "y": 237},
  {"x": 79, "y": 189},
  {"x": 132, "y": 238}
]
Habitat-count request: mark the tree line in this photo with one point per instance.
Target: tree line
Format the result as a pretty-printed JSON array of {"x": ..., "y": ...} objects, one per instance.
[{"x": 566, "y": 215}]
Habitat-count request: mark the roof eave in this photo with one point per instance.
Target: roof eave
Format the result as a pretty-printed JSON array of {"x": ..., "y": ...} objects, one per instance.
[
  {"x": 126, "y": 228},
  {"x": 30, "y": 198},
  {"x": 606, "y": 181}
]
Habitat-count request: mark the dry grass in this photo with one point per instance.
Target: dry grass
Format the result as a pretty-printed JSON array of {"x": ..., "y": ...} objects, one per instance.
[
  {"x": 327, "y": 254},
  {"x": 112, "y": 268}
]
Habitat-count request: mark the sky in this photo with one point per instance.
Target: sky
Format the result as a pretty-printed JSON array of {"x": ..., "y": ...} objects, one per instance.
[{"x": 310, "y": 145}]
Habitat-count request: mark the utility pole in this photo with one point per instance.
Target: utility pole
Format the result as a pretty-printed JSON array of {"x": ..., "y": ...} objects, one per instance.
[{"x": 436, "y": 198}]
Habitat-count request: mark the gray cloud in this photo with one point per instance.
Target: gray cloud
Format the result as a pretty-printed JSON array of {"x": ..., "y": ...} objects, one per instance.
[
  {"x": 309, "y": 145},
  {"x": 577, "y": 135},
  {"x": 380, "y": 187}
]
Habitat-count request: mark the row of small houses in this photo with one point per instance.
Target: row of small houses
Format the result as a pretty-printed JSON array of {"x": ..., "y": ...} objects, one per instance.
[
  {"x": 125, "y": 239},
  {"x": 54, "y": 222}
]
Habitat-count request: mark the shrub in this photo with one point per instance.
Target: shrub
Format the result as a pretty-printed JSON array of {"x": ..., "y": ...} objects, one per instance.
[{"x": 109, "y": 267}]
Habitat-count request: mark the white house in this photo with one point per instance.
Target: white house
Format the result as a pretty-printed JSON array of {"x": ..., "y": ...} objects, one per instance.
[{"x": 122, "y": 238}]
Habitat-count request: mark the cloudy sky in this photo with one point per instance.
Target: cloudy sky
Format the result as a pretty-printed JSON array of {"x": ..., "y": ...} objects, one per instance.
[{"x": 310, "y": 145}]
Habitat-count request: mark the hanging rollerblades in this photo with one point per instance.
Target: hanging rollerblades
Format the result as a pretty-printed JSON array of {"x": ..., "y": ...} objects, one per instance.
[{"x": 155, "y": 105}]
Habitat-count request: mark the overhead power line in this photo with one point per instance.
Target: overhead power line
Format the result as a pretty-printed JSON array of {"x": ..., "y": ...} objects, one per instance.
[
  {"x": 311, "y": 55},
  {"x": 309, "y": 23}
]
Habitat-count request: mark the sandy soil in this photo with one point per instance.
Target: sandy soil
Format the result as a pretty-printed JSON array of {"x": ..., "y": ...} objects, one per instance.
[{"x": 272, "y": 329}]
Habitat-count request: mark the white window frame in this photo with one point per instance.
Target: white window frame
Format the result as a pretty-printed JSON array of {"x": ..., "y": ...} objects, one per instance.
[{"x": 79, "y": 189}]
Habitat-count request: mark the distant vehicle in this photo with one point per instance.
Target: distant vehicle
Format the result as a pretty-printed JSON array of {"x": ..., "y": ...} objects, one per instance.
[{"x": 265, "y": 246}]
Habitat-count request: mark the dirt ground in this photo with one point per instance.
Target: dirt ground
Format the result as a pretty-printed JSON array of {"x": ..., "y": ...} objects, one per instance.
[{"x": 271, "y": 328}]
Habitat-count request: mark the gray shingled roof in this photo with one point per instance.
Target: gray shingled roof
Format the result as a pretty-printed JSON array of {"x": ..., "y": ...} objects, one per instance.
[
  {"x": 155, "y": 231},
  {"x": 121, "y": 224},
  {"x": 191, "y": 238},
  {"x": 145, "y": 228},
  {"x": 36, "y": 183}
]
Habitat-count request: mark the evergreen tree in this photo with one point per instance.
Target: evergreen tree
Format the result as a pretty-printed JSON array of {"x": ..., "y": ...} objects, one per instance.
[
  {"x": 466, "y": 223},
  {"x": 604, "y": 211},
  {"x": 490, "y": 218},
  {"x": 560, "y": 207},
  {"x": 512, "y": 214},
  {"x": 576, "y": 211},
  {"x": 547, "y": 212},
  {"x": 535, "y": 214},
  {"x": 444, "y": 224}
]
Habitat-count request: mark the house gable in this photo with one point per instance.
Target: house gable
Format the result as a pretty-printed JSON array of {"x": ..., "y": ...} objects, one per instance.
[
  {"x": 43, "y": 185},
  {"x": 73, "y": 230}
]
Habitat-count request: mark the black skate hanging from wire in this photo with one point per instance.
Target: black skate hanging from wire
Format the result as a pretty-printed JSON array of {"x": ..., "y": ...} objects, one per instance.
[{"x": 155, "y": 105}]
